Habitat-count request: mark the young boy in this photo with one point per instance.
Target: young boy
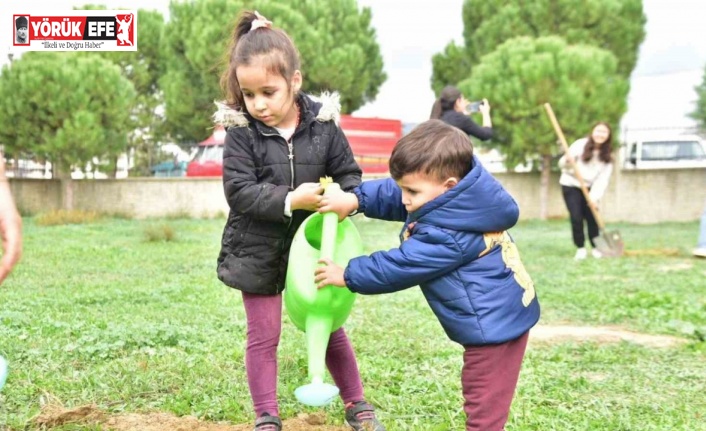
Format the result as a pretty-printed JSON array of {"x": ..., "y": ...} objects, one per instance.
[{"x": 455, "y": 246}]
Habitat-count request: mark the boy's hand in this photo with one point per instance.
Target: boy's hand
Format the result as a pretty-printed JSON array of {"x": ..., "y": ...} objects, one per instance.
[
  {"x": 306, "y": 197},
  {"x": 342, "y": 204},
  {"x": 329, "y": 274}
]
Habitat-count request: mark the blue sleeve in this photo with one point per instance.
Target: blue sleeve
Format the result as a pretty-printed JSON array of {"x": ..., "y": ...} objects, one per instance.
[
  {"x": 424, "y": 256},
  {"x": 381, "y": 199}
]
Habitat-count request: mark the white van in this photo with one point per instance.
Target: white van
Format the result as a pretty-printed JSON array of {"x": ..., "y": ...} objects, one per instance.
[{"x": 680, "y": 151}]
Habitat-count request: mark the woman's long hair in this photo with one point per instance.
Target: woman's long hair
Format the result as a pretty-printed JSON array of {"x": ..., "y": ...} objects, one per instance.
[
  {"x": 606, "y": 150},
  {"x": 446, "y": 101}
]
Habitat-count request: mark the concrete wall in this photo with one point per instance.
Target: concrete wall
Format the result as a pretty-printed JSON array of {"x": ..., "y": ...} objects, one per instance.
[{"x": 634, "y": 196}]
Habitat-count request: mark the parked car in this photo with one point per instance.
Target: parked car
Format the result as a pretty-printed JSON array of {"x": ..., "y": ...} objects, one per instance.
[
  {"x": 169, "y": 169},
  {"x": 681, "y": 151},
  {"x": 208, "y": 160}
]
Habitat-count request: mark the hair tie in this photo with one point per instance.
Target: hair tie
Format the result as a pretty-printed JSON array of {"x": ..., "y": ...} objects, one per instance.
[{"x": 260, "y": 21}]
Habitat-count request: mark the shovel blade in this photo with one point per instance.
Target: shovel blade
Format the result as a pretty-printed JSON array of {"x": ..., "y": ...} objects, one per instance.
[{"x": 610, "y": 243}]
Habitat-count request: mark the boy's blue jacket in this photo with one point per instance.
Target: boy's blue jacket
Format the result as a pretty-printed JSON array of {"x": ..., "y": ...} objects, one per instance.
[{"x": 458, "y": 251}]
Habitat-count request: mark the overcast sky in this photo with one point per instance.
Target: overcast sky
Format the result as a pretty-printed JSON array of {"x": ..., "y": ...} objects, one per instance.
[{"x": 671, "y": 63}]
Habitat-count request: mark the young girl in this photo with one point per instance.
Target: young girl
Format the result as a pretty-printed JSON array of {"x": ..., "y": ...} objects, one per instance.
[
  {"x": 593, "y": 157},
  {"x": 279, "y": 143}
]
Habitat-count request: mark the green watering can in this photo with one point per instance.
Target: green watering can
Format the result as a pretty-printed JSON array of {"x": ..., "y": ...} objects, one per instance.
[
  {"x": 3, "y": 371},
  {"x": 319, "y": 312}
]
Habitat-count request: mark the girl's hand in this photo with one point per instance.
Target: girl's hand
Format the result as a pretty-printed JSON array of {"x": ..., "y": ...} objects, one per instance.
[
  {"x": 342, "y": 204},
  {"x": 484, "y": 107},
  {"x": 329, "y": 274},
  {"x": 306, "y": 197}
]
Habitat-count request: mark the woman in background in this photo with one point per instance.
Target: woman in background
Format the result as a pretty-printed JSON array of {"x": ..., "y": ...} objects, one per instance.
[
  {"x": 453, "y": 108},
  {"x": 592, "y": 155}
]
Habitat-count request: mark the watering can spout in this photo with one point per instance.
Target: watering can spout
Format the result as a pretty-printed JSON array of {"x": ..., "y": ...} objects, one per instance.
[{"x": 318, "y": 333}]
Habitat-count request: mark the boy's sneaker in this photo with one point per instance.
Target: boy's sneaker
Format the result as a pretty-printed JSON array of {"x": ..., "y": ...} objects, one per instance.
[
  {"x": 596, "y": 254},
  {"x": 268, "y": 423},
  {"x": 700, "y": 252},
  {"x": 361, "y": 417},
  {"x": 581, "y": 254}
]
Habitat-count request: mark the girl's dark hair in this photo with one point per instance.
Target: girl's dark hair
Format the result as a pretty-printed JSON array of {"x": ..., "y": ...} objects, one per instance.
[
  {"x": 433, "y": 148},
  {"x": 271, "y": 46},
  {"x": 606, "y": 150},
  {"x": 446, "y": 101}
]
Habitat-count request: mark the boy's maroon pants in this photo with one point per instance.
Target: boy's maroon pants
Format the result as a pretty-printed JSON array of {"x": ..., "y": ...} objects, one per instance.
[{"x": 489, "y": 377}]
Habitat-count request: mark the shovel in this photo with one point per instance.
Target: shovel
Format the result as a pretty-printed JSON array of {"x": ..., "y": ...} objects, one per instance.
[{"x": 608, "y": 243}]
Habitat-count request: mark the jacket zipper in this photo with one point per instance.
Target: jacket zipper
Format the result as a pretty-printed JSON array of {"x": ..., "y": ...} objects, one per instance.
[{"x": 290, "y": 148}]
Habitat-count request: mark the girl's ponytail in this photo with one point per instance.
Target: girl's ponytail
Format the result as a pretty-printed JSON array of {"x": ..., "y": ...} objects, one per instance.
[
  {"x": 242, "y": 27},
  {"x": 249, "y": 21},
  {"x": 436, "y": 110},
  {"x": 446, "y": 101}
]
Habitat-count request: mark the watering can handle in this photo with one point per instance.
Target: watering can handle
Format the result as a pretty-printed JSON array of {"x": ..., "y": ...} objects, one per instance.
[{"x": 330, "y": 226}]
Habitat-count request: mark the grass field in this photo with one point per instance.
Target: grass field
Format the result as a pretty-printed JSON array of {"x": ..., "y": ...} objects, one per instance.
[{"x": 95, "y": 313}]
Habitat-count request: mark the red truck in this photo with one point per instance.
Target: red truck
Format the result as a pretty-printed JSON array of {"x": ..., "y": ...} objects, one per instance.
[{"x": 372, "y": 141}]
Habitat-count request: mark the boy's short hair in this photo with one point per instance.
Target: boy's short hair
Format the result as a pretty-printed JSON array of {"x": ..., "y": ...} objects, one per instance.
[{"x": 433, "y": 148}]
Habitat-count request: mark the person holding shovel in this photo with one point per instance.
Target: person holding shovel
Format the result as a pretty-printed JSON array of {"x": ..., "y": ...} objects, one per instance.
[{"x": 594, "y": 160}]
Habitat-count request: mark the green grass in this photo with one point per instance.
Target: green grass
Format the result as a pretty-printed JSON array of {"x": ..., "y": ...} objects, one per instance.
[{"x": 96, "y": 314}]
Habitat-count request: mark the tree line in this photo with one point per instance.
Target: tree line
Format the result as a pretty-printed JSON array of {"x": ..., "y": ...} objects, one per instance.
[{"x": 72, "y": 107}]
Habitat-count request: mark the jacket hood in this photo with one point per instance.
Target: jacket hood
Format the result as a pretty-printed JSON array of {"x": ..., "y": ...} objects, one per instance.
[
  {"x": 325, "y": 107},
  {"x": 478, "y": 203}
]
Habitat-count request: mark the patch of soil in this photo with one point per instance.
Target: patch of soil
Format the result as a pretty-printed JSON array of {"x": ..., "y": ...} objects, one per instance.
[
  {"x": 600, "y": 334},
  {"x": 682, "y": 266},
  {"x": 653, "y": 252},
  {"x": 53, "y": 415}
]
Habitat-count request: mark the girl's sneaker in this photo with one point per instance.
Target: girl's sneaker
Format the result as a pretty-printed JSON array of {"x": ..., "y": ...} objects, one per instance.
[
  {"x": 581, "y": 254},
  {"x": 361, "y": 417},
  {"x": 268, "y": 423},
  {"x": 596, "y": 254}
]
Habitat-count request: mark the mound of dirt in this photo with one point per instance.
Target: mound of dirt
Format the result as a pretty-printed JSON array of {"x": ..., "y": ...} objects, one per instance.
[
  {"x": 600, "y": 334},
  {"x": 54, "y": 415}
]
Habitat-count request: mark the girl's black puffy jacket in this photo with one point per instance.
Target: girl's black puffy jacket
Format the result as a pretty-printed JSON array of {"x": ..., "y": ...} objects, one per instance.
[{"x": 257, "y": 175}]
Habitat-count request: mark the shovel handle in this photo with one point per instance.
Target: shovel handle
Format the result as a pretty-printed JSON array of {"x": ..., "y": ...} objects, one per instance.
[{"x": 572, "y": 162}]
